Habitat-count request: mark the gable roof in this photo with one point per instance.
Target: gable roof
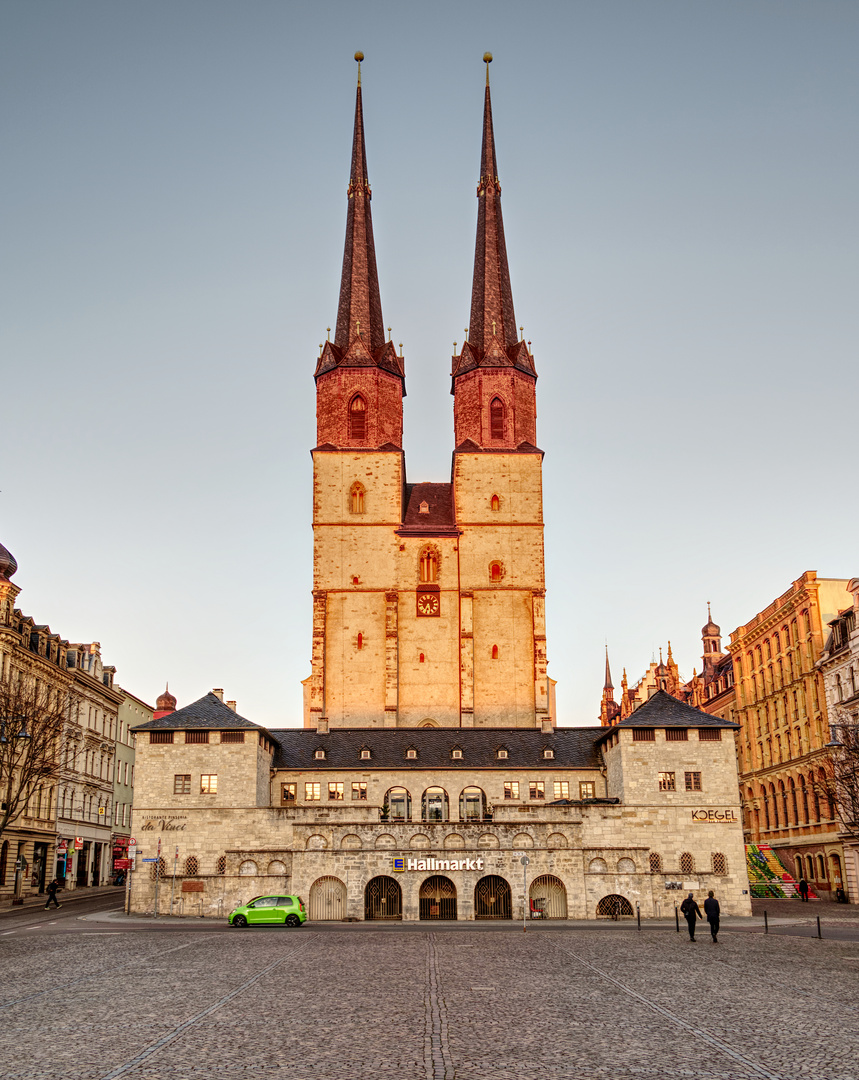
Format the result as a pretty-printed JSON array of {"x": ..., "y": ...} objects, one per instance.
[
  {"x": 207, "y": 712},
  {"x": 662, "y": 710}
]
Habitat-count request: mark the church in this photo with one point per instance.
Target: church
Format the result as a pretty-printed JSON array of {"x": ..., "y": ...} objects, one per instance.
[{"x": 430, "y": 779}]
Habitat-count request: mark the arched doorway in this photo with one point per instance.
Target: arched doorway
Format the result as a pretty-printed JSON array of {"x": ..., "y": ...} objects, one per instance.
[
  {"x": 492, "y": 898},
  {"x": 438, "y": 899},
  {"x": 614, "y": 907},
  {"x": 327, "y": 900},
  {"x": 383, "y": 899},
  {"x": 548, "y": 897}
]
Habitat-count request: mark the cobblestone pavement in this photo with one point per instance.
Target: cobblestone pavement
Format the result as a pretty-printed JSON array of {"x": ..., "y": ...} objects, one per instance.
[{"x": 428, "y": 1004}]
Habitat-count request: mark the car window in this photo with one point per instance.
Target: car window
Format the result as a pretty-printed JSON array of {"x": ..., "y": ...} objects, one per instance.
[
  {"x": 266, "y": 901},
  {"x": 284, "y": 901}
]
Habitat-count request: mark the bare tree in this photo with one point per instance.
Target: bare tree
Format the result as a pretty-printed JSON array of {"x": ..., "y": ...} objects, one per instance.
[
  {"x": 837, "y": 780},
  {"x": 32, "y": 716}
]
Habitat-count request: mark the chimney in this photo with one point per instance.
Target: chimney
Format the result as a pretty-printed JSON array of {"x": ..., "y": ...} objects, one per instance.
[
  {"x": 219, "y": 693},
  {"x": 322, "y": 726},
  {"x": 231, "y": 705},
  {"x": 546, "y": 725}
]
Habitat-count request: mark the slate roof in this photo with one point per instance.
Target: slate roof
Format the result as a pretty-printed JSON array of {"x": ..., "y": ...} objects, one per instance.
[
  {"x": 574, "y": 748},
  {"x": 207, "y": 712},
  {"x": 439, "y": 499},
  {"x": 662, "y": 710}
]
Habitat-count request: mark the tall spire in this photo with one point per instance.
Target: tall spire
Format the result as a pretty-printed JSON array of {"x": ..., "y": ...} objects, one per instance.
[
  {"x": 491, "y": 296},
  {"x": 359, "y": 313},
  {"x": 608, "y": 683}
]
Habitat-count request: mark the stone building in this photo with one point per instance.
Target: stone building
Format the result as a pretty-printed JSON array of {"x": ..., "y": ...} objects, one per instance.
[
  {"x": 429, "y": 762},
  {"x": 132, "y": 712}
]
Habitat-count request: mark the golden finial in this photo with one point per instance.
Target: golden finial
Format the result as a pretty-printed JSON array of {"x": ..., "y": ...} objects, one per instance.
[
  {"x": 466, "y": 334},
  {"x": 389, "y": 333},
  {"x": 493, "y": 328},
  {"x": 328, "y": 328},
  {"x": 454, "y": 348},
  {"x": 401, "y": 350},
  {"x": 321, "y": 347},
  {"x": 359, "y": 56},
  {"x": 487, "y": 59},
  {"x": 522, "y": 332}
]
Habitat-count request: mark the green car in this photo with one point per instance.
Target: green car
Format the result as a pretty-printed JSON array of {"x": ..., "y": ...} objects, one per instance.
[{"x": 269, "y": 910}]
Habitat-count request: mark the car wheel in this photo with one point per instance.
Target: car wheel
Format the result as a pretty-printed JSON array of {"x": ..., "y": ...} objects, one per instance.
[
  {"x": 293, "y": 920},
  {"x": 240, "y": 920}
]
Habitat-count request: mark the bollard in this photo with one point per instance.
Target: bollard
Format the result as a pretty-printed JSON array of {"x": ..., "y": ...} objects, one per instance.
[
  {"x": 818, "y": 927},
  {"x": 766, "y": 924},
  {"x": 638, "y": 914},
  {"x": 677, "y": 918}
]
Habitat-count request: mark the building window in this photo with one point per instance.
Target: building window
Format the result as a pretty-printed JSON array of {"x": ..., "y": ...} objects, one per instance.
[
  {"x": 335, "y": 793},
  {"x": 411, "y": 752},
  {"x": 360, "y": 641},
  {"x": 160, "y": 736},
  {"x": 720, "y": 864},
  {"x": 196, "y": 736},
  {"x": 693, "y": 781},
  {"x": 587, "y": 789},
  {"x": 676, "y": 734},
  {"x": 496, "y": 419},
  {"x": 643, "y": 734},
  {"x": 710, "y": 734},
  {"x": 666, "y": 781},
  {"x": 495, "y": 571},
  {"x": 356, "y": 499},
  {"x": 357, "y": 419},
  {"x": 399, "y": 805},
  {"x": 536, "y": 790},
  {"x": 209, "y": 784},
  {"x": 434, "y": 805},
  {"x": 359, "y": 792},
  {"x": 287, "y": 793},
  {"x": 365, "y": 755},
  {"x": 182, "y": 784},
  {"x": 319, "y": 755},
  {"x": 501, "y": 753},
  {"x": 548, "y": 752},
  {"x": 312, "y": 792},
  {"x": 511, "y": 789},
  {"x": 472, "y": 804},
  {"x": 456, "y": 753},
  {"x": 494, "y": 652},
  {"x": 655, "y": 862},
  {"x": 192, "y": 866},
  {"x": 221, "y": 865},
  {"x": 232, "y": 736},
  {"x": 687, "y": 863},
  {"x": 494, "y": 503},
  {"x": 561, "y": 789},
  {"x": 428, "y": 566}
]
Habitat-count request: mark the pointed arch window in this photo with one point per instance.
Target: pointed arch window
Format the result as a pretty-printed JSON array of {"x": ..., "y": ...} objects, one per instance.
[
  {"x": 429, "y": 565},
  {"x": 358, "y": 419},
  {"x": 356, "y": 498},
  {"x": 496, "y": 419},
  {"x": 495, "y": 571},
  {"x": 495, "y": 503}
]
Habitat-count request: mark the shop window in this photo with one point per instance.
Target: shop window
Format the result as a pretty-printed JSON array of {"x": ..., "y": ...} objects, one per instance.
[
  {"x": 687, "y": 863},
  {"x": 720, "y": 863},
  {"x": 312, "y": 791},
  {"x": 655, "y": 862},
  {"x": 335, "y": 792},
  {"x": 587, "y": 789},
  {"x": 536, "y": 789},
  {"x": 359, "y": 792},
  {"x": 287, "y": 793},
  {"x": 196, "y": 736},
  {"x": 357, "y": 419},
  {"x": 643, "y": 734},
  {"x": 182, "y": 784},
  {"x": 511, "y": 789},
  {"x": 666, "y": 781},
  {"x": 192, "y": 866},
  {"x": 209, "y": 784},
  {"x": 693, "y": 781},
  {"x": 561, "y": 789}
]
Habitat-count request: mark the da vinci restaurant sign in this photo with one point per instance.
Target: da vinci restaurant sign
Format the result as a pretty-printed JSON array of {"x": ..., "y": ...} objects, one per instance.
[{"x": 437, "y": 864}]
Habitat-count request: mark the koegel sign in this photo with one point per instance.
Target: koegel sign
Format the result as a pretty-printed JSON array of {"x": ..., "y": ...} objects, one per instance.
[
  {"x": 437, "y": 864},
  {"x": 714, "y": 815}
]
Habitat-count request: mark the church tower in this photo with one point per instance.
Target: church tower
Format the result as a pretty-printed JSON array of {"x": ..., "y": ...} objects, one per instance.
[{"x": 428, "y": 597}]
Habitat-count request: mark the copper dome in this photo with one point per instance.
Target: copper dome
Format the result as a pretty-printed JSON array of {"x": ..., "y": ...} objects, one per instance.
[
  {"x": 165, "y": 702},
  {"x": 8, "y": 566}
]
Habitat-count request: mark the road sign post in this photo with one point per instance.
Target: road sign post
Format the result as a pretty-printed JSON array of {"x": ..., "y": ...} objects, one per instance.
[
  {"x": 524, "y": 860},
  {"x": 173, "y": 883},
  {"x": 157, "y": 875}
]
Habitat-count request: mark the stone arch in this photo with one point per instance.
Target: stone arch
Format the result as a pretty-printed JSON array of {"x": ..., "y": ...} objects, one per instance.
[
  {"x": 437, "y": 899},
  {"x": 316, "y": 843},
  {"x": 597, "y": 866},
  {"x": 614, "y": 907},
  {"x": 248, "y": 868},
  {"x": 419, "y": 840},
  {"x": 548, "y": 898},
  {"x": 493, "y": 898},
  {"x": 428, "y": 723},
  {"x": 626, "y": 866},
  {"x": 488, "y": 840},
  {"x": 327, "y": 900},
  {"x": 383, "y": 898},
  {"x": 557, "y": 840},
  {"x": 453, "y": 841},
  {"x": 276, "y": 867},
  {"x": 496, "y": 571},
  {"x": 351, "y": 842},
  {"x": 385, "y": 840},
  {"x": 523, "y": 840}
]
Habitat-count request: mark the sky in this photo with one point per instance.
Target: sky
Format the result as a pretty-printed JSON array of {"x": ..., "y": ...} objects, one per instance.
[{"x": 679, "y": 192}]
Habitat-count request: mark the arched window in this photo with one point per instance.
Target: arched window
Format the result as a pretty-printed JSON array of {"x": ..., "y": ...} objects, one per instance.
[
  {"x": 687, "y": 863},
  {"x": 496, "y": 419},
  {"x": 793, "y": 801},
  {"x": 399, "y": 805},
  {"x": 494, "y": 652},
  {"x": 495, "y": 571},
  {"x": 357, "y": 419},
  {"x": 192, "y": 866},
  {"x": 360, "y": 642},
  {"x": 720, "y": 863},
  {"x": 434, "y": 805},
  {"x": 821, "y": 869},
  {"x": 472, "y": 804},
  {"x": 655, "y": 862},
  {"x": 494, "y": 503},
  {"x": 429, "y": 565},
  {"x": 356, "y": 498}
]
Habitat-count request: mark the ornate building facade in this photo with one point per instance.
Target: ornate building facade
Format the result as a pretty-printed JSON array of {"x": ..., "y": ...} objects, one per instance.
[{"x": 430, "y": 765}]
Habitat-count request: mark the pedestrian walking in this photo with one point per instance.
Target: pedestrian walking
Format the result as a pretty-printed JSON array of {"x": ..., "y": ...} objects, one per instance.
[
  {"x": 711, "y": 910},
  {"x": 52, "y": 894},
  {"x": 690, "y": 912},
  {"x": 803, "y": 889}
]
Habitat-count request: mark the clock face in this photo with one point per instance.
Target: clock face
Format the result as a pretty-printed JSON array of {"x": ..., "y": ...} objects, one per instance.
[{"x": 428, "y": 604}]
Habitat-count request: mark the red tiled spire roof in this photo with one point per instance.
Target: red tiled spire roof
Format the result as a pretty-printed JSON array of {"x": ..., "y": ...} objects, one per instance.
[
  {"x": 491, "y": 296},
  {"x": 359, "y": 313}
]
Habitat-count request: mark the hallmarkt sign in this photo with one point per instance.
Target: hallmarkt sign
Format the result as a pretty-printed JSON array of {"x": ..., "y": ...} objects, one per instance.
[{"x": 437, "y": 864}]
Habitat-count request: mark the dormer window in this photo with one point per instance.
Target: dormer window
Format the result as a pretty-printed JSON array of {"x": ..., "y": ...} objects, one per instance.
[
  {"x": 424, "y": 508},
  {"x": 456, "y": 753},
  {"x": 319, "y": 755},
  {"x": 501, "y": 753},
  {"x": 411, "y": 752},
  {"x": 365, "y": 755},
  {"x": 548, "y": 752}
]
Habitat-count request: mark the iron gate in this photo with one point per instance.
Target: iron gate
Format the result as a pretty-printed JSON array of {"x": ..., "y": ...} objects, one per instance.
[
  {"x": 438, "y": 899},
  {"x": 614, "y": 907},
  {"x": 327, "y": 900},
  {"x": 492, "y": 898},
  {"x": 383, "y": 899},
  {"x": 548, "y": 898}
]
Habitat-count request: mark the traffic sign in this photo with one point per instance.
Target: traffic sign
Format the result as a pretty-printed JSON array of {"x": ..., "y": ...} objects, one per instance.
[
  {"x": 153, "y": 859},
  {"x": 132, "y": 842}
]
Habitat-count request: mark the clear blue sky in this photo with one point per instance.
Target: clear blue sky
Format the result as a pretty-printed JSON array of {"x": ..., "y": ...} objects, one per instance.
[{"x": 679, "y": 189}]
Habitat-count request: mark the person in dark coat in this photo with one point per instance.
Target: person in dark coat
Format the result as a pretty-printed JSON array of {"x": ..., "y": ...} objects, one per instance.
[
  {"x": 52, "y": 894},
  {"x": 690, "y": 911},
  {"x": 803, "y": 889},
  {"x": 711, "y": 910}
]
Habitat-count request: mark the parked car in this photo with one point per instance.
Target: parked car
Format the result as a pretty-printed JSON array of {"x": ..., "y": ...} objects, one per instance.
[{"x": 269, "y": 910}]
